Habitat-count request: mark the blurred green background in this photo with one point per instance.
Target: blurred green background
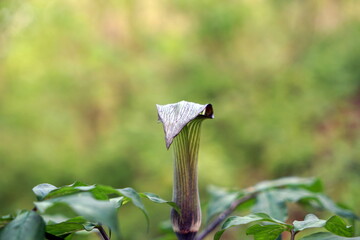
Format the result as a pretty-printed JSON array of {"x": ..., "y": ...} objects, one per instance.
[{"x": 79, "y": 81}]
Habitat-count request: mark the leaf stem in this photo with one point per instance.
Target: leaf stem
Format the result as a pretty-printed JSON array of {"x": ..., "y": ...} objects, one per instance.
[
  {"x": 293, "y": 233},
  {"x": 221, "y": 217},
  {"x": 103, "y": 233}
]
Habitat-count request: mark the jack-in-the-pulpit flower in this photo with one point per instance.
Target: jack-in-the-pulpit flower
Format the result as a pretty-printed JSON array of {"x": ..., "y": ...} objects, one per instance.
[{"x": 182, "y": 122}]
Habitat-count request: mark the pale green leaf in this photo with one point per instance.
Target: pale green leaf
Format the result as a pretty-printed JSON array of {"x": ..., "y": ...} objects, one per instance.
[
  {"x": 220, "y": 200},
  {"x": 269, "y": 202},
  {"x": 310, "y": 221},
  {"x": 312, "y": 184},
  {"x": 27, "y": 226},
  {"x": 42, "y": 190},
  {"x": 93, "y": 210}
]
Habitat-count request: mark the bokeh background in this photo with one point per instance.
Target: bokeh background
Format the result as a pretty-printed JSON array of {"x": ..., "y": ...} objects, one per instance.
[{"x": 79, "y": 81}]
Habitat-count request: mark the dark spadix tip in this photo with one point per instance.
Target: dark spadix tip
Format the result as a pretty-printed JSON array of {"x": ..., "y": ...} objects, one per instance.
[{"x": 175, "y": 116}]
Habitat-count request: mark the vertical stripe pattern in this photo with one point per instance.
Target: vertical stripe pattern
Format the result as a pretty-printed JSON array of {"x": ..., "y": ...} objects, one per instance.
[{"x": 185, "y": 192}]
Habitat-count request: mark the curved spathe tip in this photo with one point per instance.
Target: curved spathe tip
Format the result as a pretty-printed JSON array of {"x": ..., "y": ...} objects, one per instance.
[{"x": 175, "y": 116}]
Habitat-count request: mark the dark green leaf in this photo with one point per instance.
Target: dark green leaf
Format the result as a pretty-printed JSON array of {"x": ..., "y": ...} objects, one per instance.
[
  {"x": 5, "y": 220},
  {"x": 155, "y": 198},
  {"x": 62, "y": 191},
  {"x": 338, "y": 226},
  {"x": 42, "y": 190},
  {"x": 220, "y": 200},
  {"x": 327, "y": 236},
  {"x": 266, "y": 232},
  {"x": 269, "y": 202},
  {"x": 104, "y": 212},
  {"x": 103, "y": 192},
  {"x": 47, "y": 191},
  {"x": 70, "y": 226},
  {"x": 252, "y": 218},
  {"x": 310, "y": 221},
  {"x": 100, "y": 192},
  {"x": 27, "y": 226}
]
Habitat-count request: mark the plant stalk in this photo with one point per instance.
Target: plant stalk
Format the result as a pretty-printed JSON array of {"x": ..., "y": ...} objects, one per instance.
[
  {"x": 185, "y": 191},
  {"x": 103, "y": 233},
  {"x": 293, "y": 233},
  {"x": 182, "y": 123},
  {"x": 221, "y": 217}
]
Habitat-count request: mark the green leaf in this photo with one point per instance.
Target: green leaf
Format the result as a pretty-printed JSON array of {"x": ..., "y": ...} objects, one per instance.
[
  {"x": 312, "y": 184},
  {"x": 27, "y": 226},
  {"x": 331, "y": 206},
  {"x": 235, "y": 220},
  {"x": 133, "y": 196},
  {"x": 269, "y": 202},
  {"x": 327, "y": 236},
  {"x": 103, "y": 192},
  {"x": 303, "y": 195},
  {"x": 310, "y": 221},
  {"x": 79, "y": 184},
  {"x": 117, "y": 197},
  {"x": 5, "y": 220},
  {"x": 70, "y": 226},
  {"x": 156, "y": 199},
  {"x": 338, "y": 226},
  {"x": 118, "y": 201},
  {"x": 318, "y": 200},
  {"x": 135, "y": 199},
  {"x": 63, "y": 191},
  {"x": 93, "y": 210},
  {"x": 42, "y": 190},
  {"x": 252, "y": 218},
  {"x": 266, "y": 232},
  {"x": 220, "y": 200},
  {"x": 100, "y": 192},
  {"x": 270, "y": 199},
  {"x": 292, "y": 194}
]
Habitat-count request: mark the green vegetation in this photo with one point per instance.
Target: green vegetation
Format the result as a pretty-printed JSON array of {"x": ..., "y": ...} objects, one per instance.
[
  {"x": 62, "y": 212},
  {"x": 79, "y": 81}
]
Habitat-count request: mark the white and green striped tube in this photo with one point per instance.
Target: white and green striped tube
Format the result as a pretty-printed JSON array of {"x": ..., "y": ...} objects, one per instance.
[{"x": 182, "y": 122}]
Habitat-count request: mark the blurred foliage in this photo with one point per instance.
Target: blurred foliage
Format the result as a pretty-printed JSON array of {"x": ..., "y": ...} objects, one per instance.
[{"x": 79, "y": 81}]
